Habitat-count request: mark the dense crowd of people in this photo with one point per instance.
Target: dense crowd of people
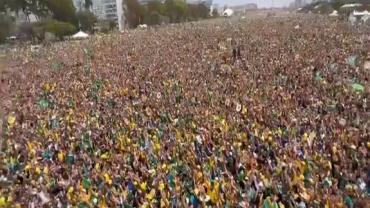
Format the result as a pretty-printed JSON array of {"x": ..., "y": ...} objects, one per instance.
[{"x": 269, "y": 112}]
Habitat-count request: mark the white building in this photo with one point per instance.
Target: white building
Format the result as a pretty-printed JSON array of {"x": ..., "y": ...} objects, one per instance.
[{"x": 109, "y": 10}]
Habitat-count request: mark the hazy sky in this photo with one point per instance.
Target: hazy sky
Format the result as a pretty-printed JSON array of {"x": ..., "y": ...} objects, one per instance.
[{"x": 260, "y": 3}]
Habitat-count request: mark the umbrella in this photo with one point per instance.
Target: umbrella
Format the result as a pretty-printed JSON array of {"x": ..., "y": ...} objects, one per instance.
[
  {"x": 228, "y": 12},
  {"x": 358, "y": 87},
  {"x": 350, "y": 5},
  {"x": 334, "y": 14}
]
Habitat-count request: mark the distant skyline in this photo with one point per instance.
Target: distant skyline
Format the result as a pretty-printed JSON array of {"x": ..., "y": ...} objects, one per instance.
[{"x": 260, "y": 3}]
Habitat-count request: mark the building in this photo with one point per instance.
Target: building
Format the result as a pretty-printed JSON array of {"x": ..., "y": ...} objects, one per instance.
[{"x": 109, "y": 10}]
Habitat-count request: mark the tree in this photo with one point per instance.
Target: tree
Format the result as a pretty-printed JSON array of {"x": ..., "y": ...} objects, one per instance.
[
  {"x": 88, "y": 4},
  {"x": 16, "y": 5},
  {"x": 36, "y": 7},
  {"x": 153, "y": 18},
  {"x": 199, "y": 11},
  {"x": 155, "y": 12},
  {"x": 106, "y": 25},
  {"x": 112, "y": 24},
  {"x": 25, "y": 31},
  {"x": 203, "y": 11},
  {"x": 86, "y": 20},
  {"x": 337, "y": 4},
  {"x": 181, "y": 9},
  {"x": 59, "y": 29},
  {"x": 38, "y": 31},
  {"x": 215, "y": 13},
  {"x": 154, "y": 6},
  {"x": 62, "y": 10},
  {"x": 6, "y": 25},
  {"x": 2, "y": 6},
  {"x": 169, "y": 9},
  {"x": 134, "y": 12},
  {"x": 176, "y": 10}
]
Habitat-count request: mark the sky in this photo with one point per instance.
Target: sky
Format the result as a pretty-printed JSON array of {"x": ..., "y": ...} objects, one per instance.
[{"x": 260, "y": 3}]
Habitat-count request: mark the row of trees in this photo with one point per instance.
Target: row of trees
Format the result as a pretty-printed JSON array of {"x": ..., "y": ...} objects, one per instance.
[
  {"x": 158, "y": 12},
  {"x": 58, "y": 17},
  {"x": 61, "y": 18},
  {"x": 61, "y": 9}
]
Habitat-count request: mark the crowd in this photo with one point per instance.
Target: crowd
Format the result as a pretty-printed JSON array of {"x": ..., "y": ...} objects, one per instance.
[{"x": 172, "y": 117}]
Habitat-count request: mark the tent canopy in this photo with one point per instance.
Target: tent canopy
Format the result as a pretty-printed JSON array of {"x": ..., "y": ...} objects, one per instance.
[
  {"x": 80, "y": 34},
  {"x": 363, "y": 13},
  {"x": 143, "y": 26},
  {"x": 350, "y": 5},
  {"x": 334, "y": 13},
  {"x": 228, "y": 12}
]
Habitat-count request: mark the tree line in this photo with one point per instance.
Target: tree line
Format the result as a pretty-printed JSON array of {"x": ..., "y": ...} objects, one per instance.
[
  {"x": 61, "y": 18},
  {"x": 58, "y": 17},
  {"x": 168, "y": 11}
]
